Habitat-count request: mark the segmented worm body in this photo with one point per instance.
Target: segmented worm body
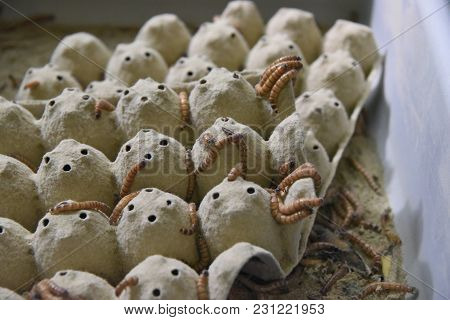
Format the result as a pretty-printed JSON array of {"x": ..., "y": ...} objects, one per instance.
[
  {"x": 369, "y": 178},
  {"x": 286, "y": 168},
  {"x": 193, "y": 219},
  {"x": 190, "y": 170},
  {"x": 366, "y": 248},
  {"x": 128, "y": 282},
  {"x": 298, "y": 205},
  {"x": 202, "y": 286},
  {"x": 117, "y": 212},
  {"x": 203, "y": 252},
  {"x": 68, "y": 206},
  {"x": 48, "y": 290},
  {"x": 272, "y": 67},
  {"x": 129, "y": 179},
  {"x": 321, "y": 245},
  {"x": 306, "y": 170},
  {"x": 376, "y": 287},
  {"x": 235, "y": 172},
  {"x": 283, "y": 219},
  {"x": 339, "y": 274},
  {"x": 103, "y": 105},
  {"x": 184, "y": 108},
  {"x": 278, "y": 86}
]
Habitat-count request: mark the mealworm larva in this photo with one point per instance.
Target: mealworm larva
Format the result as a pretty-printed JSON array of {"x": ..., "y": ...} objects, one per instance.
[
  {"x": 366, "y": 248},
  {"x": 129, "y": 179},
  {"x": 273, "y": 66},
  {"x": 203, "y": 252},
  {"x": 370, "y": 181},
  {"x": 376, "y": 287},
  {"x": 103, "y": 105},
  {"x": 208, "y": 161},
  {"x": 350, "y": 196},
  {"x": 235, "y": 172},
  {"x": 306, "y": 170},
  {"x": 24, "y": 160},
  {"x": 117, "y": 212},
  {"x": 194, "y": 221},
  {"x": 286, "y": 168},
  {"x": 190, "y": 170},
  {"x": 385, "y": 220},
  {"x": 184, "y": 108},
  {"x": 208, "y": 140},
  {"x": 283, "y": 219},
  {"x": 202, "y": 286},
  {"x": 67, "y": 206},
  {"x": 339, "y": 274},
  {"x": 128, "y": 282},
  {"x": 263, "y": 288},
  {"x": 48, "y": 290},
  {"x": 263, "y": 89},
  {"x": 32, "y": 84},
  {"x": 370, "y": 226},
  {"x": 349, "y": 212},
  {"x": 319, "y": 246},
  {"x": 278, "y": 86},
  {"x": 298, "y": 205}
]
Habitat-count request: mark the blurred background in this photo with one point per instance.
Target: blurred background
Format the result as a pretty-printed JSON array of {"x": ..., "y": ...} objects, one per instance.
[{"x": 410, "y": 120}]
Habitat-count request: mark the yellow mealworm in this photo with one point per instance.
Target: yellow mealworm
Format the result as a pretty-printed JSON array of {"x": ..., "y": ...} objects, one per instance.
[
  {"x": 32, "y": 84},
  {"x": 286, "y": 168},
  {"x": 370, "y": 226},
  {"x": 350, "y": 196},
  {"x": 366, "y": 248},
  {"x": 24, "y": 160},
  {"x": 184, "y": 108},
  {"x": 283, "y": 219},
  {"x": 272, "y": 67},
  {"x": 349, "y": 212},
  {"x": 203, "y": 252},
  {"x": 339, "y": 274},
  {"x": 263, "y": 89},
  {"x": 278, "y": 86},
  {"x": 370, "y": 181},
  {"x": 193, "y": 219},
  {"x": 202, "y": 286},
  {"x": 208, "y": 161},
  {"x": 117, "y": 212},
  {"x": 319, "y": 246},
  {"x": 128, "y": 282},
  {"x": 235, "y": 172},
  {"x": 103, "y": 105},
  {"x": 129, "y": 179},
  {"x": 190, "y": 170},
  {"x": 263, "y": 288},
  {"x": 208, "y": 140},
  {"x": 387, "y": 230},
  {"x": 376, "y": 287},
  {"x": 298, "y": 205},
  {"x": 306, "y": 170},
  {"x": 84, "y": 205},
  {"x": 48, "y": 290}
]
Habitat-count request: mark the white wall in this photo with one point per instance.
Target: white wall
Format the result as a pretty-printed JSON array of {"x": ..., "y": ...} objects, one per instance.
[{"x": 412, "y": 127}]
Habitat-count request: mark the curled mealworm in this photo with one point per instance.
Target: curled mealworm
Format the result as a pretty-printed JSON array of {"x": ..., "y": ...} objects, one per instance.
[
  {"x": 385, "y": 220},
  {"x": 298, "y": 205},
  {"x": 128, "y": 282},
  {"x": 370, "y": 226},
  {"x": 366, "y": 248},
  {"x": 193, "y": 219},
  {"x": 376, "y": 287},
  {"x": 235, "y": 172},
  {"x": 370, "y": 181},
  {"x": 190, "y": 170},
  {"x": 283, "y": 219},
  {"x": 202, "y": 286},
  {"x": 48, "y": 290},
  {"x": 278, "y": 86},
  {"x": 68, "y": 206},
  {"x": 286, "y": 168},
  {"x": 203, "y": 252},
  {"x": 263, "y": 288},
  {"x": 273, "y": 66},
  {"x": 306, "y": 170},
  {"x": 32, "y": 85},
  {"x": 263, "y": 89},
  {"x": 184, "y": 108},
  {"x": 103, "y": 105},
  {"x": 24, "y": 160},
  {"x": 117, "y": 212},
  {"x": 129, "y": 179},
  {"x": 208, "y": 161},
  {"x": 339, "y": 274}
]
